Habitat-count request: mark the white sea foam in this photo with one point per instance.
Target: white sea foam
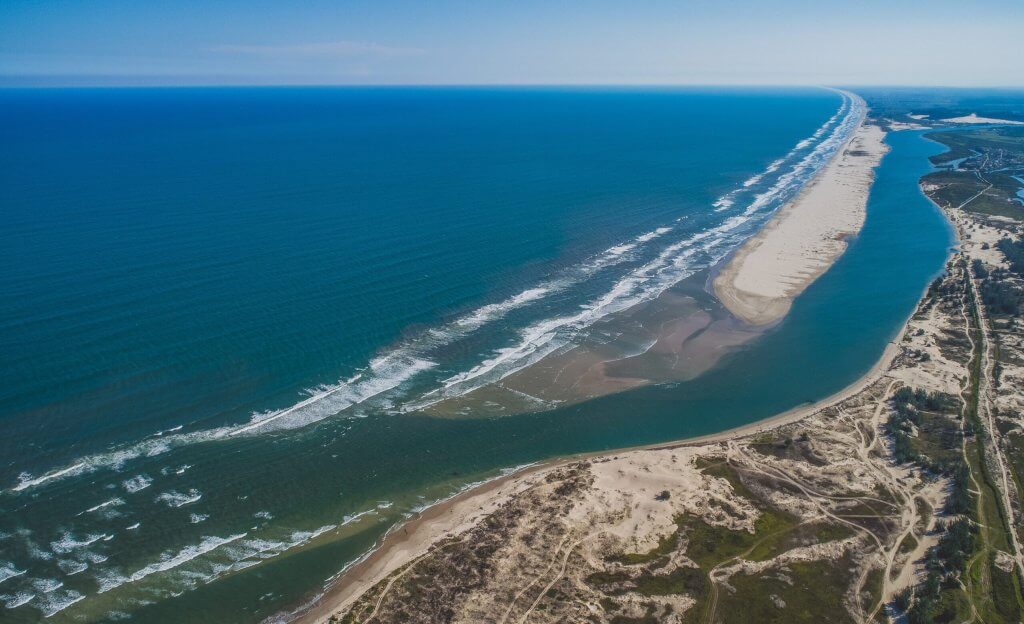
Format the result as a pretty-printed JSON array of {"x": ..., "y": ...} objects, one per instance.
[
  {"x": 92, "y": 557},
  {"x": 257, "y": 549},
  {"x": 350, "y": 518},
  {"x": 110, "y": 503},
  {"x": 386, "y": 373},
  {"x": 544, "y": 337},
  {"x": 170, "y": 560},
  {"x": 197, "y": 518},
  {"x": 173, "y": 498},
  {"x": 489, "y": 312},
  {"x": 8, "y": 571},
  {"x": 68, "y": 543},
  {"x": 232, "y": 554},
  {"x": 643, "y": 238},
  {"x": 72, "y": 567},
  {"x": 112, "y": 460},
  {"x": 772, "y": 167},
  {"x": 136, "y": 483},
  {"x": 26, "y": 480},
  {"x": 792, "y": 181},
  {"x": 18, "y": 599},
  {"x": 55, "y": 602},
  {"x": 46, "y": 585}
]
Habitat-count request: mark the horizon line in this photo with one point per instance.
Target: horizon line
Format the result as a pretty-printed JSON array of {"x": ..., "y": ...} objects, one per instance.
[{"x": 509, "y": 85}]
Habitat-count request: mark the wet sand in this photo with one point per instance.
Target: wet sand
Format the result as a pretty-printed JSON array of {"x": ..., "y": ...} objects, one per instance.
[{"x": 676, "y": 337}]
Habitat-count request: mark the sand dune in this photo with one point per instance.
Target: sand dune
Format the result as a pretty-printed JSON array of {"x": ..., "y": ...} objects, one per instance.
[{"x": 974, "y": 119}]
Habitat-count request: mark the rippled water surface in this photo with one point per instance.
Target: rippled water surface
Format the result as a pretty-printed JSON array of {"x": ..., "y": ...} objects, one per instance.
[{"x": 223, "y": 309}]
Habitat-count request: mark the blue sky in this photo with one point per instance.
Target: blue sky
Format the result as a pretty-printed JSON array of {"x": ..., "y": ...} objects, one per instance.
[{"x": 937, "y": 42}]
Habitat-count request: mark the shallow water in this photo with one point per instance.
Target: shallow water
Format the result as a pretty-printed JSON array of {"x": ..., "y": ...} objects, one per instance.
[{"x": 263, "y": 242}]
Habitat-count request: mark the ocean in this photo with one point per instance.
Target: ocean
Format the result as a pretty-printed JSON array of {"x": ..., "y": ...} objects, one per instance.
[{"x": 228, "y": 314}]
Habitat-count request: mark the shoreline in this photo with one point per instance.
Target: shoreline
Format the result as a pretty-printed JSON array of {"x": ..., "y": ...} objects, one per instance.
[
  {"x": 411, "y": 539},
  {"x": 759, "y": 281}
]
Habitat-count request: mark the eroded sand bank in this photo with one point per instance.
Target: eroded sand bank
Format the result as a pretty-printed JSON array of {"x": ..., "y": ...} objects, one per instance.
[{"x": 802, "y": 241}]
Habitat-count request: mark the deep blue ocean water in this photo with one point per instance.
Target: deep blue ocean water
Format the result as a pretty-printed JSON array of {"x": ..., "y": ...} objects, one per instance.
[{"x": 221, "y": 306}]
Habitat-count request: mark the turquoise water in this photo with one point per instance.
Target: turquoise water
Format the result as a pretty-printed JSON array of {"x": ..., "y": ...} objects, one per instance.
[{"x": 196, "y": 259}]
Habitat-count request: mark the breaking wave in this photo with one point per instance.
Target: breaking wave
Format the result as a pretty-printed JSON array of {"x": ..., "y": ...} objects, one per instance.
[{"x": 731, "y": 198}]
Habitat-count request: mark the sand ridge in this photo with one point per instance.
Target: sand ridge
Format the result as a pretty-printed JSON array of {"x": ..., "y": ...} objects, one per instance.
[{"x": 808, "y": 234}]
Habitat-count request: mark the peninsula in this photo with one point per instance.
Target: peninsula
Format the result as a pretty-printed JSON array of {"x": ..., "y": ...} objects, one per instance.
[{"x": 805, "y": 237}]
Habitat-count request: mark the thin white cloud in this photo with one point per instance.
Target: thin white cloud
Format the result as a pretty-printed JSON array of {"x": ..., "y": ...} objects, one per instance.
[{"x": 327, "y": 49}]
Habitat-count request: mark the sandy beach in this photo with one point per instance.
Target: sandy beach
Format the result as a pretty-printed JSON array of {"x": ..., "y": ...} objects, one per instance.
[
  {"x": 807, "y": 235},
  {"x": 973, "y": 118},
  {"x": 455, "y": 516}
]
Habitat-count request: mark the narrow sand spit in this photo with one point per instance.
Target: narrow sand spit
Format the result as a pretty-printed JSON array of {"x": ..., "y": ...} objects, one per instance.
[
  {"x": 807, "y": 235},
  {"x": 974, "y": 119}
]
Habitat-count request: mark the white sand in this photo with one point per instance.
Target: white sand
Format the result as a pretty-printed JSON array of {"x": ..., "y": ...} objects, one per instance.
[
  {"x": 974, "y": 119},
  {"x": 899, "y": 126},
  {"x": 807, "y": 235}
]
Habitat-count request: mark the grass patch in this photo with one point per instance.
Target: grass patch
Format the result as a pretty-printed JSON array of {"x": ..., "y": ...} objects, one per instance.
[
  {"x": 800, "y": 535},
  {"x": 908, "y": 544},
  {"x": 679, "y": 581},
  {"x": 803, "y": 592},
  {"x": 665, "y": 546}
]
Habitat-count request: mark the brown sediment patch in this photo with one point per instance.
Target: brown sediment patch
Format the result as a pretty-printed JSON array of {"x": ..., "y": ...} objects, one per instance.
[{"x": 675, "y": 337}]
